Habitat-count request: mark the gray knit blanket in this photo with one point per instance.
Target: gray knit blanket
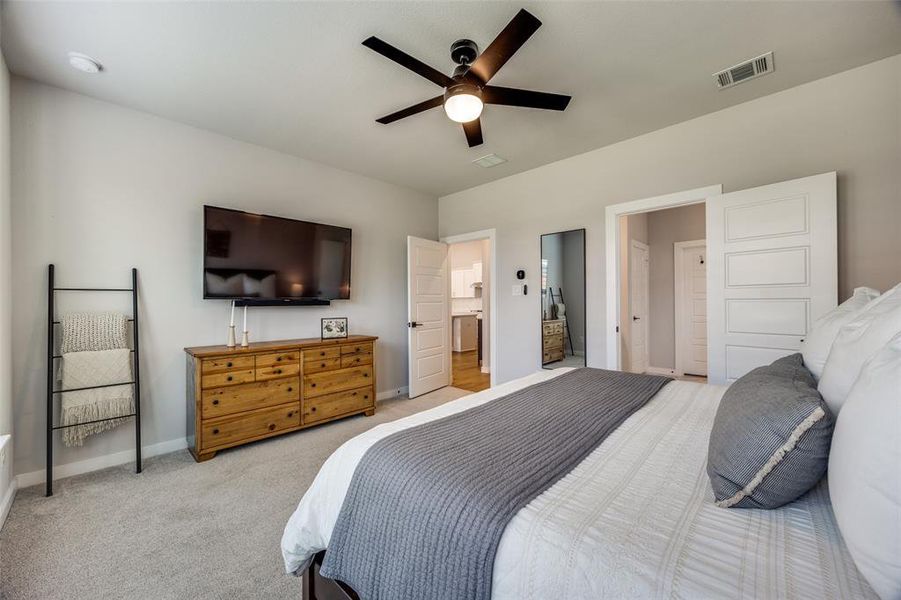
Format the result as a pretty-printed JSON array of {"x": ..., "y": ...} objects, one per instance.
[{"x": 427, "y": 506}]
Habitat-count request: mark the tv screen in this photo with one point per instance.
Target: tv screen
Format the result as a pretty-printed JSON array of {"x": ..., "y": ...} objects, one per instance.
[{"x": 258, "y": 256}]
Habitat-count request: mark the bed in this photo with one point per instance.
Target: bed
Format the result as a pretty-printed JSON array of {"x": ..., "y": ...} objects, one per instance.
[{"x": 635, "y": 519}]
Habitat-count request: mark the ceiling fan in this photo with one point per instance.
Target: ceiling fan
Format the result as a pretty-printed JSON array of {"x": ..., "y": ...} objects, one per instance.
[{"x": 467, "y": 90}]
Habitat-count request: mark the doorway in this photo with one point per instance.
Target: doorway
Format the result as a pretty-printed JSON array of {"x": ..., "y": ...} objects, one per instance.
[
  {"x": 563, "y": 300},
  {"x": 655, "y": 307},
  {"x": 432, "y": 285},
  {"x": 470, "y": 293}
]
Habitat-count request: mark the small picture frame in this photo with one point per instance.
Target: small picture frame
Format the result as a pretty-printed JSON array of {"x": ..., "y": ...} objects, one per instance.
[{"x": 334, "y": 327}]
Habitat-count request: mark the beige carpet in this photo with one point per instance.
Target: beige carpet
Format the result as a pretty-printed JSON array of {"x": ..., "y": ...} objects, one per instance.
[{"x": 180, "y": 529}]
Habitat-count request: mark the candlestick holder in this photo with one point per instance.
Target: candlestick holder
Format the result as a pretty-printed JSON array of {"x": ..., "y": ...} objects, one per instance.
[
  {"x": 231, "y": 337},
  {"x": 244, "y": 340}
]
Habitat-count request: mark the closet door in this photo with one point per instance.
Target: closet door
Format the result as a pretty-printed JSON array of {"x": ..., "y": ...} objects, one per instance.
[{"x": 772, "y": 270}]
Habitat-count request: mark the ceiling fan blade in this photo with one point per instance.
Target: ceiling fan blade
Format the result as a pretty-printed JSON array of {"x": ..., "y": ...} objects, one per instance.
[
  {"x": 412, "y": 110},
  {"x": 405, "y": 60},
  {"x": 505, "y": 45},
  {"x": 473, "y": 131},
  {"x": 492, "y": 94}
]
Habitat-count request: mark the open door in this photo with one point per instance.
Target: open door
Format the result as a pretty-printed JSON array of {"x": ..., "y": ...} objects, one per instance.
[
  {"x": 772, "y": 265},
  {"x": 428, "y": 315},
  {"x": 639, "y": 300}
]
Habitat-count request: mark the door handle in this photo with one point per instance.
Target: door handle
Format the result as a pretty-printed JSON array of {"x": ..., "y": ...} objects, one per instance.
[
  {"x": 634, "y": 318},
  {"x": 413, "y": 324}
]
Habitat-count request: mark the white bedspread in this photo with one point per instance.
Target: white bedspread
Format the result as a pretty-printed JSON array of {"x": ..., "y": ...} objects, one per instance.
[{"x": 635, "y": 519}]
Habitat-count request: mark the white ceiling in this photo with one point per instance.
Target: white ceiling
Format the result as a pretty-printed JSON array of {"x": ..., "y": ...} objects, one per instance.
[{"x": 294, "y": 77}]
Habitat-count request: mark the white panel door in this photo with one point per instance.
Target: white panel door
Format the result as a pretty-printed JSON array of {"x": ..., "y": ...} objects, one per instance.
[
  {"x": 772, "y": 269},
  {"x": 428, "y": 314},
  {"x": 691, "y": 307},
  {"x": 639, "y": 285}
]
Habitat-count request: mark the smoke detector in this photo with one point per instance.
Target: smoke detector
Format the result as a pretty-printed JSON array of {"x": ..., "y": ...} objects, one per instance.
[
  {"x": 84, "y": 63},
  {"x": 488, "y": 161},
  {"x": 744, "y": 71}
]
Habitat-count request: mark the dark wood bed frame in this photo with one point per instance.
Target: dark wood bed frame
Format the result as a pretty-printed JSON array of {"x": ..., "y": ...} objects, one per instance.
[{"x": 317, "y": 587}]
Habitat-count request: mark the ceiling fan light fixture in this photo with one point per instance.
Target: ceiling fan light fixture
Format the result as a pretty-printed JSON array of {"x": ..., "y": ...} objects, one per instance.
[{"x": 463, "y": 103}]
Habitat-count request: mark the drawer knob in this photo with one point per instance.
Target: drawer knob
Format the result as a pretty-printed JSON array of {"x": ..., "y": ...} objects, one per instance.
[
  {"x": 366, "y": 397},
  {"x": 313, "y": 409},
  {"x": 229, "y": 378},
  {"x": 322, "y": 366},
  {"x": 358, "y": 348},
  {"x": 290, "y": 414},
  {"x": 312, "y": 385},
  {"x": 228, "y": 364},
  {"x": 278, "y": 371},
  {"x": 215, "y": 431},
  {"x": 215, "y": 402},
  {"x": 290, "y": 389},
  {"x": 271, "y": 426},
  {"x": 365, "y": 374},
  {"x": 322, "y": 354},
  {"x": 279, "y": 359}
]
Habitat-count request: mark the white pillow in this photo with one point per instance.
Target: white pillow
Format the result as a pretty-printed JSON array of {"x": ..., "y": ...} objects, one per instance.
[
  {"x": 865, "y": 471},
  {"x": 856, "y": 342},
  {"x": 815, "y": 347},
  {"x": 225, "y": 286}
]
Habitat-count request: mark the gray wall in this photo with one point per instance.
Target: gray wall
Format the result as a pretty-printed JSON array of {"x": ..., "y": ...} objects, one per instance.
[
  {"x": 98, "y": 188},
  {"x": 849, "y": 123},
  {"x": 665, "y": 228}
]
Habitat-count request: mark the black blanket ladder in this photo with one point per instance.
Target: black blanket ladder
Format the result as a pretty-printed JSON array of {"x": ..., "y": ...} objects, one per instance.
[{"x": 52, "y": 357}]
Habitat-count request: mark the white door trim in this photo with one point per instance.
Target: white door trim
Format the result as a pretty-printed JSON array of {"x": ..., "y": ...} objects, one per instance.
[
  {"x": 613, "y": 213},
  {"x": 678, "y": 284},
  {"x": 491, "y": 236}
]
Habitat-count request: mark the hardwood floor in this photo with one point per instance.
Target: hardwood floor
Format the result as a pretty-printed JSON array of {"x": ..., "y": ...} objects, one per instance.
[{"x": 467, "y": 374}]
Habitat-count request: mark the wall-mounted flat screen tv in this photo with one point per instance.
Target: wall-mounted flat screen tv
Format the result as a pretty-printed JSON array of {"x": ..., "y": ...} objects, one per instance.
[{"x": 259, "y": 257}]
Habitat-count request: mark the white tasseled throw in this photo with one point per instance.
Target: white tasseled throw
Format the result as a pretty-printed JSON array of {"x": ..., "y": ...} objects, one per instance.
[
  {"x": 93, "y": 331},
  {"x": 86, "y": 369}
]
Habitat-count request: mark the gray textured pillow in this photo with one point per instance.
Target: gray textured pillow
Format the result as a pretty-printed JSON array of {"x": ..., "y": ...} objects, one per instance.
[{"x": 770, "y": 438}]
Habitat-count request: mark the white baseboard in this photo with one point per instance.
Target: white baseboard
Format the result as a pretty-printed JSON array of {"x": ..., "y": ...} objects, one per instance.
[
  {"x": 101, "y": 462},
  {"x": 388, "y": 394},
  {"x": 660, "y": 371},
  {"x": 7, "y": 502}
]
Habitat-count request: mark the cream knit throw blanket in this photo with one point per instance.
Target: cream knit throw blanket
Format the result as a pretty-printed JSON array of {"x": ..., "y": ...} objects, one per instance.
[
  {"x": 95, "y": 352},
  {"x": 94, "y": 331}
]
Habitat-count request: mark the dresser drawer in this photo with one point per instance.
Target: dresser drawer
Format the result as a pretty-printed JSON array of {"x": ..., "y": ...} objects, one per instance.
[
  {"x": 223, "y": 432},
  {"x": 553, "y": 341},
  {"x": 324, "y": 364},
  {"x": 218, "y": 402},
  {"x": 356, "y": 348},
  {"x": 227, "y": 378},
  {"x": 334, "y": 405},
  {"x": 277, "y": 358},
  {"x": 327, "y": 382},
  {"x": 320, "y": 353},
  {"x": 355, "y": 360},
  {"x": 552, "y": 328},
  {"x": 226, "y": 363},
  {"x": 278, "y": 371},
  {"x": 552, "y": 355}
]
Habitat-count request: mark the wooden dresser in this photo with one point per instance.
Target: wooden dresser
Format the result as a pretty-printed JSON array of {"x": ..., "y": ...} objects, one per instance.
[
  {"x": 241, "y": 395},
  {"x": 551, "y": 341}
]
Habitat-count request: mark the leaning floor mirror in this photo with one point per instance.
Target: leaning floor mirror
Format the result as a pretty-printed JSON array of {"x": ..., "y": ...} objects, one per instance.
[{"x": 563, "y": 299}]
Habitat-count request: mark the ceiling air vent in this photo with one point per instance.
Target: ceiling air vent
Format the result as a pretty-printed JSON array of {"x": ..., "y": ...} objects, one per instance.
[
  {"x": 491, "y": 160},
  {"x": 749, "y": 69}
]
